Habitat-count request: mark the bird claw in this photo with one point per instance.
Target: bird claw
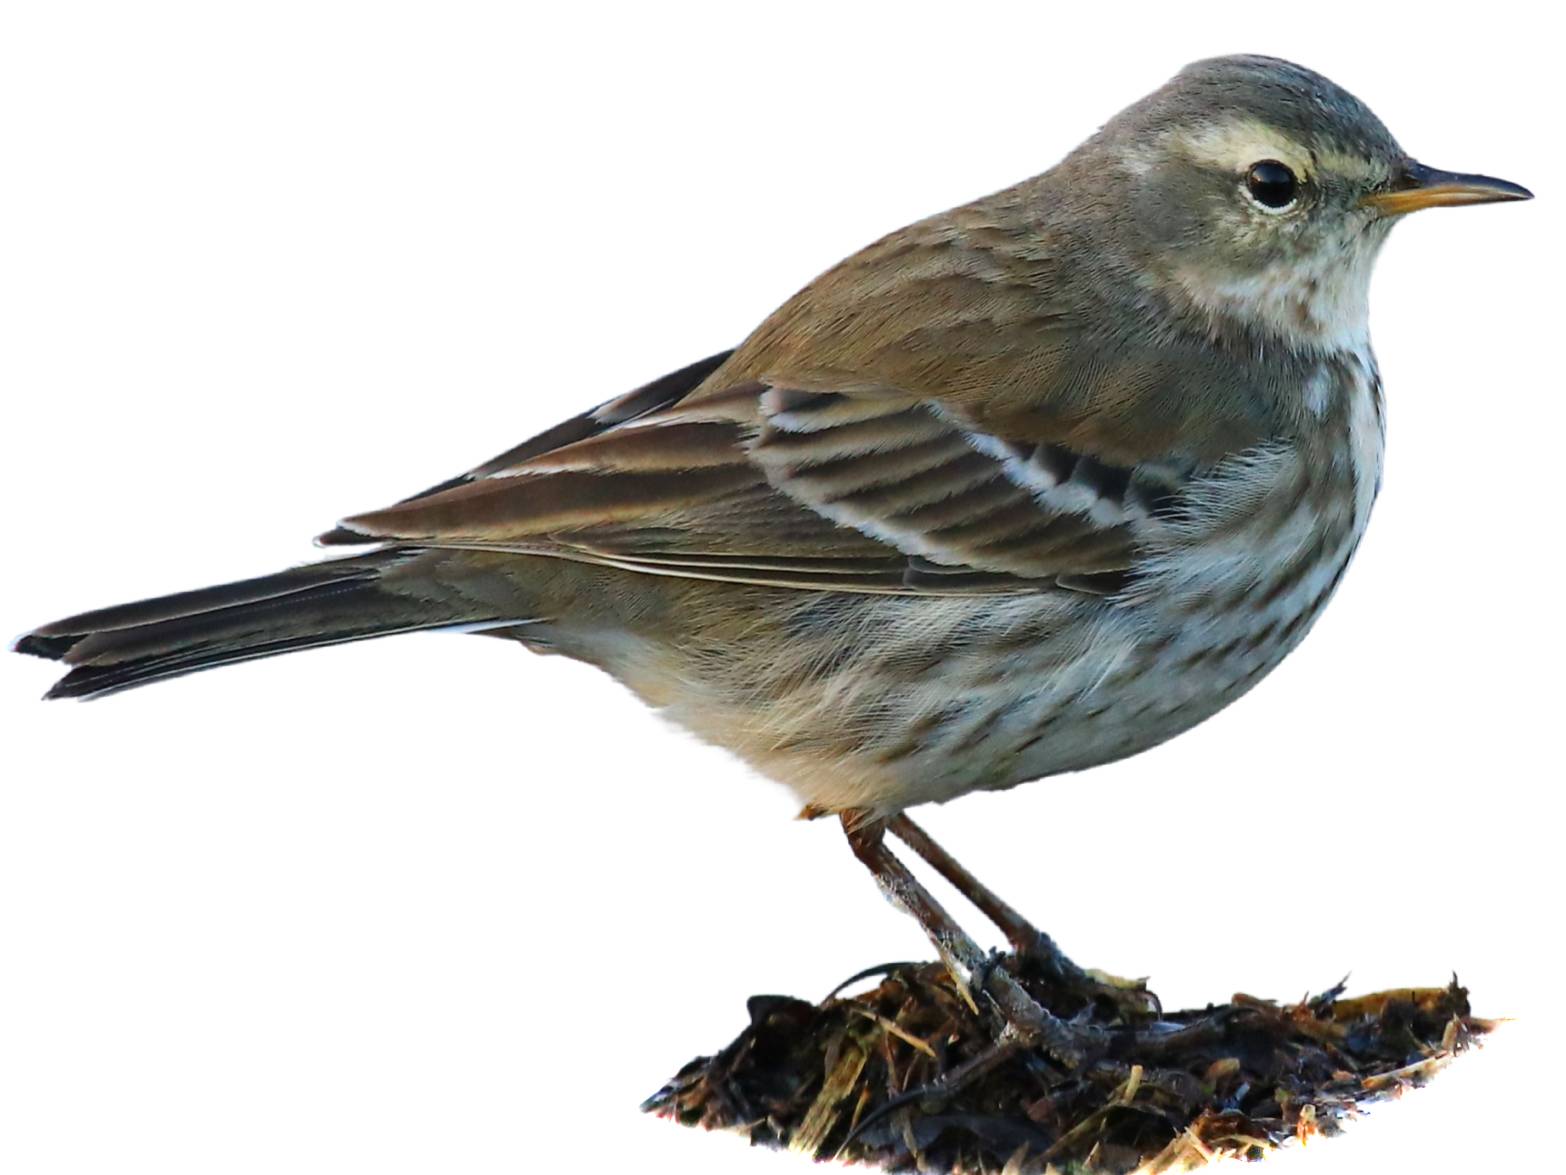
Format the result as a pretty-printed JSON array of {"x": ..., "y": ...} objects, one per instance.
[
  {"x": 1130, "y": 998},
  {"x": 1027, "y": 1024},
  {"x": 979, "y": 978},
  {"x": 1017, "y": 1038},
  {"x": 947, "y": 1085}
]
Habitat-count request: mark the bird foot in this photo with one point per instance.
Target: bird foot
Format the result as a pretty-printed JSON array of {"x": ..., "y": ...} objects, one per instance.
[
  {"x": 1127, "y": 999},
  {"x": 1027, "y": 1023},
  {"x": 980, "y": 978},
  {"x": 1019, "y": 1037},
  {"x": 938, "y": 1093}
]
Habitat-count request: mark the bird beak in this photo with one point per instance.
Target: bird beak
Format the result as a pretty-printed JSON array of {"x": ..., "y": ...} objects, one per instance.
[{"x": 1419, "y": 187}]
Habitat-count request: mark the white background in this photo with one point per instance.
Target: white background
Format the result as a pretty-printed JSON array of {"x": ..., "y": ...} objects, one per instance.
[{"x": 434, "y": 905}]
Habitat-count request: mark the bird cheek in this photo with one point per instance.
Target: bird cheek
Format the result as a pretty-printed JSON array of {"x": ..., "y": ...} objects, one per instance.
[{"x": 1170, "y": 211}]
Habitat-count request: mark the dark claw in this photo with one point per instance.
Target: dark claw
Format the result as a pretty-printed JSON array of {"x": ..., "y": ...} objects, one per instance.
[
  {"x": 979, "y": 980},
  {"x": 878, "y": 969},
  {"x": 953, "y": 1081},
  {"x": 1042, "y": 953}
]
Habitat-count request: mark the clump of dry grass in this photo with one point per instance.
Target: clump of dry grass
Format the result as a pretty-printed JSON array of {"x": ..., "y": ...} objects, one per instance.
[{"x": 869, "y": 1078}]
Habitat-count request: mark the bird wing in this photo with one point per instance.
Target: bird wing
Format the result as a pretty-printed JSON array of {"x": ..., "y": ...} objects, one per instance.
[
  {"x": 933, "y": 415},
  {"x": 766, "y": 483}
]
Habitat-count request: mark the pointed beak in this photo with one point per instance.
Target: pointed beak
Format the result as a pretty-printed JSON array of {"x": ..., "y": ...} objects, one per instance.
[{"x": 1419, "y": 187}]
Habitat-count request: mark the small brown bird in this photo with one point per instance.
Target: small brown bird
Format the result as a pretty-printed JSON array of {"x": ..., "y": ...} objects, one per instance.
[{"x": 1028, "y": 486}]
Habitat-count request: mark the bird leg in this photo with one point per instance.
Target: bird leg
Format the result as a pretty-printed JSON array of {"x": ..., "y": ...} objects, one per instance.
[
  {"x": 1025, "y": 938},
  {"x": 1035, "y": 1025},
  {"x": 1031, "y": 944}
]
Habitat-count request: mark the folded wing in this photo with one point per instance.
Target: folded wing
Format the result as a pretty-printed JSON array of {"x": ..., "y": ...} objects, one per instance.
[
  {"x": 942, "y": 412},
  {"x": 776, "y": 485}
]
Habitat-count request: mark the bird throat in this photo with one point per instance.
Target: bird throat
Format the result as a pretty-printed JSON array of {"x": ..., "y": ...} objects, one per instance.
[{"x": 1318, "y": 301}]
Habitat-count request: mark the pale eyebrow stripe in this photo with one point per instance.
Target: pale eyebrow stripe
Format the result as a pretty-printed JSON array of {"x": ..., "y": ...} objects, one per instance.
[{"x": 1235, "y": 144}]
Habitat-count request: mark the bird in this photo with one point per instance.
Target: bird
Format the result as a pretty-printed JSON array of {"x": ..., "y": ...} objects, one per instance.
[{"x": 1023, "y": 488}]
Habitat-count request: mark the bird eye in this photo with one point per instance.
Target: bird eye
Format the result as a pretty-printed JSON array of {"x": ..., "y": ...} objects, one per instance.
[{"x": 1272, "y": 184}]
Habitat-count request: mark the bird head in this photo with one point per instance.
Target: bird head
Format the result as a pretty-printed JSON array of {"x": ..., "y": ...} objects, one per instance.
[{"x": 1257, "y": 193}]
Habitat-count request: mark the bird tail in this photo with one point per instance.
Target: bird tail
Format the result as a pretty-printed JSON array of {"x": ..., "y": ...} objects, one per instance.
[{"x": 303, "y": 608}]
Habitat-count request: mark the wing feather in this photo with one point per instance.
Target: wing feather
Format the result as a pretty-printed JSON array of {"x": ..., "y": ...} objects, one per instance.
[
  {"x": 791, "y": 488},
  {"x": 948, "y": 410}
]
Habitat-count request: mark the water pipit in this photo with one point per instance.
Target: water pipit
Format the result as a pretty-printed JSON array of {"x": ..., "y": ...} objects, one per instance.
[{"x": 1026, "y": 487}]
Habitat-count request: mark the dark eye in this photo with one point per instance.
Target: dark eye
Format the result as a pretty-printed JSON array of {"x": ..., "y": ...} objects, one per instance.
[{"x": 1272, "y": 184}]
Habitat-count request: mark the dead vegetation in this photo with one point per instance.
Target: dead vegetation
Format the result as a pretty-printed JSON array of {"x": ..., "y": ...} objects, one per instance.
[{"x": 905, "y": 1075}]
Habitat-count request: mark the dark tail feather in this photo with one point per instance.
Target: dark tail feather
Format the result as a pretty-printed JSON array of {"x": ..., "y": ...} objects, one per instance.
[{"x": 302, "y": 608}]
